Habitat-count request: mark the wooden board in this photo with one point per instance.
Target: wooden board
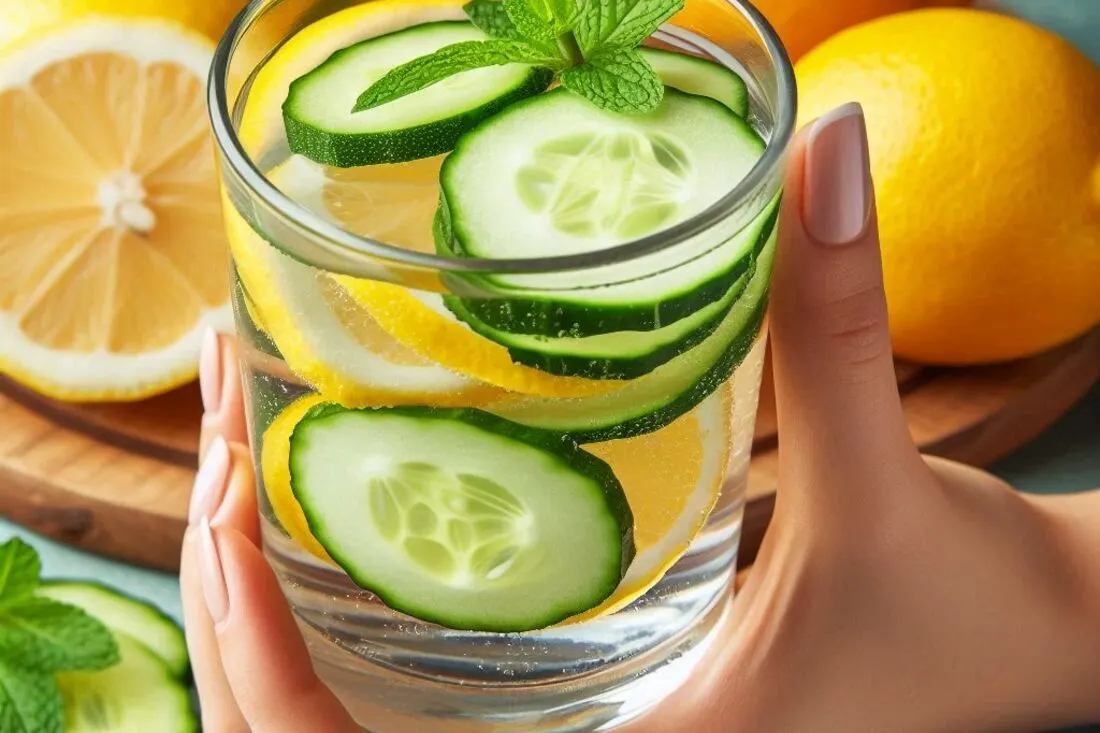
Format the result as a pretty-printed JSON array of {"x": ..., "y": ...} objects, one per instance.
[{"x": 115, "y": 479}]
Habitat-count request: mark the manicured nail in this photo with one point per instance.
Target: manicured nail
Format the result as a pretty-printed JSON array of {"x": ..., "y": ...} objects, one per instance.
[
  {"x": 210, "y": 482},
  {"x": 837, "y": 187},
  {"x": 214, "y": 590},
  {"x": 210, "y": 372}
]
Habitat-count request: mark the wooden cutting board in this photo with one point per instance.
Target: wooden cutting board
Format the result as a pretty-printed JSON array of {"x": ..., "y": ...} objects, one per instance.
[{"x": 115, "y": 479}]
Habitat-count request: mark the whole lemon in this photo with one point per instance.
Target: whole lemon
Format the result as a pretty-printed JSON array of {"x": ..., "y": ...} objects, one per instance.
[
  {"x": 985, "y": 151},
  {"x": 20, "y": 18}
]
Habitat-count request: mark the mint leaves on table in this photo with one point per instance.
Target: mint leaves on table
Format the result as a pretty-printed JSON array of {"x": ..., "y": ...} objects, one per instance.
[
  {"x": 590, "y": 45},
  {"x": 39, "y": 637}
]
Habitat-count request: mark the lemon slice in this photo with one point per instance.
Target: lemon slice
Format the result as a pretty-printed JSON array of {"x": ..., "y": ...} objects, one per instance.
[
  {"x": 417, "y": 320},
  {"x": 112, "y": 254},
  {"x": 672, "y": 479},
  {"x": 275, "y": 469},
  {"x": 328, "y": 340}
]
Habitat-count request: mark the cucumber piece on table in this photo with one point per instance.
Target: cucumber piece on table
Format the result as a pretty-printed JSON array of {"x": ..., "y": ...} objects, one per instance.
[
  {"x": 137, "y": 695},
  {"x": 620, "y": 355},
  {"x": 696, "y": 75},
  {"x": 125, "y": 615},
  {"x": 318, "y": 113},
  {"x": 460, "y": 518},
  {"x": 655, "y": 400},
  {"x": 555, "y": 175}
]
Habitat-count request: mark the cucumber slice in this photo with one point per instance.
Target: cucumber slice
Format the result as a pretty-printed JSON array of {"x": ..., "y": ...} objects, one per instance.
[
  {"x": 128, "y": 616},
  {"x": 554, "y": 175},
  {"x": 696, "y": 75},
  {"x": 655, "y": 400},
  {"x": 621, "y": 355},
  {"x": 137, "y": 695},
  {"x": 318, "y": 113},
  {"x": 460, "y": 518}
]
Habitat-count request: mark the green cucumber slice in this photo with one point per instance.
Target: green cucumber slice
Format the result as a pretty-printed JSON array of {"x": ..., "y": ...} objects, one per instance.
[
  {"x": 318, "y": 113},
  {"x": 672, "y": 389},
  {"x": 696, "y": 75},
  {"x": 460, "y": 518},
  {"x": 620, "y": 355},
  {"x": 128, "y": 616},
  {"x": 554, "y": 175},
  {"x": 137, "y": 695}
]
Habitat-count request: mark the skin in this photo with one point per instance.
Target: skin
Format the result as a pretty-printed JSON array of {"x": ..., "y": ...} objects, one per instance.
[{"x": 893, "y": 591}]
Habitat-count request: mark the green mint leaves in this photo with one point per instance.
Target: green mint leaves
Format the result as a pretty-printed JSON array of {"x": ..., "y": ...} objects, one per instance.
[
  {"x": 39, "y": 637},
  {"x": 607, "y": 26},
  {"x": 590, "y": 44},
  {"x": 446, "y": 62},
  {"x": 622, "y": 81}
]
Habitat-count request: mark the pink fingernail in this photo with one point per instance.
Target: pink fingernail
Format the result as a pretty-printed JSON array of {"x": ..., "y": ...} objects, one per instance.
[
  {"x": 214, "y": 590},
  {"x": 837, "y": 187},
  {"x": 210, "y": 372},
  {"x": 211, "y": 482}
]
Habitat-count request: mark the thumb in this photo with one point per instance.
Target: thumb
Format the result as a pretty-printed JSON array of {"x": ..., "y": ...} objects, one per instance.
[{"x": 838, "y": 407}]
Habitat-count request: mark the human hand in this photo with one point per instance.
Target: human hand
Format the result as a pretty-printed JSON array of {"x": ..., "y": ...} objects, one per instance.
[{"x": 891, "y": 593}]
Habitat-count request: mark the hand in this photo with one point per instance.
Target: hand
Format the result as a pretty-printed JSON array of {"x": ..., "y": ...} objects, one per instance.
[{"x": 892, "y": 592}]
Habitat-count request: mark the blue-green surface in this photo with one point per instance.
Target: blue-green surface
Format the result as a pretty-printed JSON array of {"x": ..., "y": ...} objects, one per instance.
[{"x": 1064, "y": 459}]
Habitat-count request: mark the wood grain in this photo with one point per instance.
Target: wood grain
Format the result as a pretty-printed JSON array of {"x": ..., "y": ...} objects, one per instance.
[{"x": 115, "y": 479}]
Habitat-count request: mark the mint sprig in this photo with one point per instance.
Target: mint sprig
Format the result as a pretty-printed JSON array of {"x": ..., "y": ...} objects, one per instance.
[
  {"x": 38, "y": 638},
  {"x": 589, "y": 44}
]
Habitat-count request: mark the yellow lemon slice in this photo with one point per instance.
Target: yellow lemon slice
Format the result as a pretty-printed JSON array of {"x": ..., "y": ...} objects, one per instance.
[
  {"x": 275, "y": 469},
  {"x": 417, "y": 320},
  {"x": 328, "y": 340},
  {"x": 111, "y": 245},
  {"x": 672, "y": 479}
]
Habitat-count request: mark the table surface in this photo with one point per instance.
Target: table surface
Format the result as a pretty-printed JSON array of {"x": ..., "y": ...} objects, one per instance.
[{"x": 1064, "y": 459}]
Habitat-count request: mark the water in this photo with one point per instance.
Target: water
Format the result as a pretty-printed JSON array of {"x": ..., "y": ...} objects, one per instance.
[{"x": 398, "y": 674}]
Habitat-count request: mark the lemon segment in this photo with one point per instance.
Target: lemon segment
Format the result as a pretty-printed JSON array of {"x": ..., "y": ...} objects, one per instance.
[{"x": 111, "y": 246}]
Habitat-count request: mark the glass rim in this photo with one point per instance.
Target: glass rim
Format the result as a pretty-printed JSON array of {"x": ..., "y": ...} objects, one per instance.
[{"x": 349, "y": 244}]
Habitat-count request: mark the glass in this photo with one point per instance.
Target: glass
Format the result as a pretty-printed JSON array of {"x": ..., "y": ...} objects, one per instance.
[{"x": 396, "y": 673}]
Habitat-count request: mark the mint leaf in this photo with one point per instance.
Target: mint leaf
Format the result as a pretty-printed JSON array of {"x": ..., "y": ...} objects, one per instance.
[
  {"x": 622, "y": 81},
  {"x": 561, "y": 13},
  {"x": 422, "y": 72},
  {"x": 19, "y": 570},
  {"x": 531, "y": 24},
  {"x": 607, "y": 25},
  {"x": 50, "y": 636},
  {"x": 29, "y": 701},
  {"x": 491, "y": 17}
]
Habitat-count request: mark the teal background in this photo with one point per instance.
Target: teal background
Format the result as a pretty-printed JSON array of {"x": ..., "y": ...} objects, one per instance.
[{"x": 1064, "y": 459}]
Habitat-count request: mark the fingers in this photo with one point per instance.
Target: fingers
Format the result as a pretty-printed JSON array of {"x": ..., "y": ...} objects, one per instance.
[
  {"x": 222, "y": 396},
  {"x": 215, "y": 481},
  {"x": 836, "y": 391},
  {"x": 256, "y": 631}
]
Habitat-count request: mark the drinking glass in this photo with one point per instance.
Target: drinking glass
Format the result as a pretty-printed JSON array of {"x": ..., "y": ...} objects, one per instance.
[{"x": 398, "y": 674}]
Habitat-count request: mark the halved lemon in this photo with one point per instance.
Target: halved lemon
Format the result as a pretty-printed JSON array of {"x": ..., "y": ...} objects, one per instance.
[
  {"x": 112, "y": 253},
  {"x": 672, "y": 479}
]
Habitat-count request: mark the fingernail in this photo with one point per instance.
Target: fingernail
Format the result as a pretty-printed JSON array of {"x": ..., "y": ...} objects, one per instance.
[
  {"x": 210, "y": 372},
  {"x": 210, "y": 482},
  {"x": 837, "y": 185},
  {"x": 214, "y": 591}
]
